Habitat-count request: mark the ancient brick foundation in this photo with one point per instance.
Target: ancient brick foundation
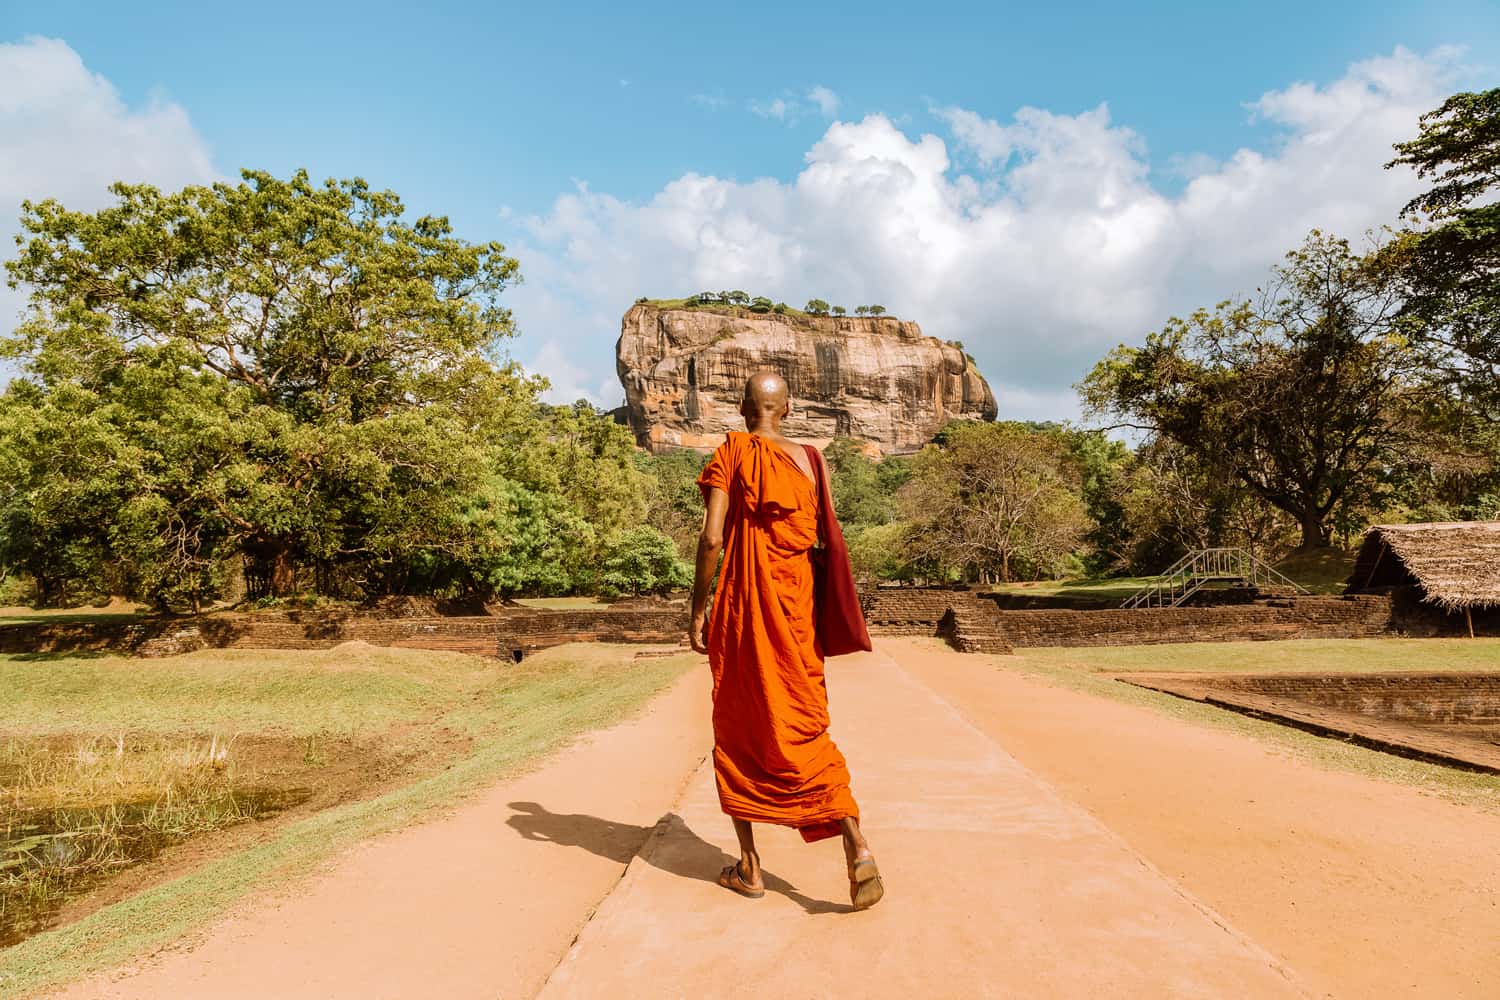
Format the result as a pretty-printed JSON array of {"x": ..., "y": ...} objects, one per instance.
[
  {"x": 970, "y": 620},
  {"x": 1299, "y": 618},
  {"x": 1447, "y": 717},
  {"x": 509, "y": 635}
]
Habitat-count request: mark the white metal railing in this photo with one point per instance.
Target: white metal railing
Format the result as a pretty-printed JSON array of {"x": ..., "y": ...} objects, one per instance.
[{"x": 1196, "y": 570}]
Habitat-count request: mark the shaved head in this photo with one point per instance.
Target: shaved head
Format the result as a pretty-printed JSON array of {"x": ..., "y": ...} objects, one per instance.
[
  {"x": 767, "y": 401},
  {"x": 766, "y": 387}
]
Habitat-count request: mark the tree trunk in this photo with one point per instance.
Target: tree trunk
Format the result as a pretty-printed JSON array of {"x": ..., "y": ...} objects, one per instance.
[
  {"x": 1314, "y": 533},
  {"x": 283, "y": 571},
  {"x": 272, "y": 557}
]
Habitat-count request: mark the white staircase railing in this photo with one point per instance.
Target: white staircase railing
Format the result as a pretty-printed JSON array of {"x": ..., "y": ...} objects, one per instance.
[{"x": 1196, "y": 570}]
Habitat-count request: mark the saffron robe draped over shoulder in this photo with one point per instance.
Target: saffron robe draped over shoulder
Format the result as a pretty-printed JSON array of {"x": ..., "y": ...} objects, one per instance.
[{"x": 773, "y": 758}]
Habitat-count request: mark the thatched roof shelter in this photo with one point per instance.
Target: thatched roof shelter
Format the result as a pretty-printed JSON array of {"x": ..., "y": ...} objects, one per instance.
[{"x": 1456, "y": 564}]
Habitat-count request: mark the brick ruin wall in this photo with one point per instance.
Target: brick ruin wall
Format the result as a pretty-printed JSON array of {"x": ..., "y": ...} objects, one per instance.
[
  {"x": 1420, "y": 698},
  {"x": 890, "y": 611},
  {"x": 908, "y": 611},
  {"x": 1450, "y": 718},
  {"x": 509, "y": 635},
  {"x": 922, "y": 612},
  {"x": 1302, "y": 618}
]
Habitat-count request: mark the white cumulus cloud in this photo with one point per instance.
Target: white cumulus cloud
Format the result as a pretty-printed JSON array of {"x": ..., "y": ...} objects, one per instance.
[
  {"x": 65, "y": 133},
  {"x": 1039, "y": 241}
]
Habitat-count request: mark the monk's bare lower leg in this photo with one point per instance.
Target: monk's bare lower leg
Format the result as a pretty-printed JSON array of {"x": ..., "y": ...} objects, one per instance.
[
  {"x": 749, "y": 856},
  {"x": 855, "y": 845}
]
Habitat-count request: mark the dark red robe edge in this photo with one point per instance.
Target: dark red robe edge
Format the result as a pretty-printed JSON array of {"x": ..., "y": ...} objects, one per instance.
[{"x": 838, "y": 617}]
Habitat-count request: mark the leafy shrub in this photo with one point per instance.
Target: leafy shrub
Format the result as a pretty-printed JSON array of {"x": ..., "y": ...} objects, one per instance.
[{"x": 642, "y": 561}]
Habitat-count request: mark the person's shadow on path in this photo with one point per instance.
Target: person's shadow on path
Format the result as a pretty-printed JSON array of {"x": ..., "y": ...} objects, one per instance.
[{"x": 676, "y": 849}]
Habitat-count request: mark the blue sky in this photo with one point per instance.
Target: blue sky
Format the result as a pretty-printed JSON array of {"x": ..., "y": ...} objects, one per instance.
[{"x": 635, "y": 149}]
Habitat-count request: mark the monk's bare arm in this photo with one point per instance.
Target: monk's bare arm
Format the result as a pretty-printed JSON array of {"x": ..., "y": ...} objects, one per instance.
[{"x": 710, "y": 545}]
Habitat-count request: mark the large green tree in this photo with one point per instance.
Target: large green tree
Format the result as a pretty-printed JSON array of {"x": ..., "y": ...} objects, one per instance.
[
  {"x": 864, "y": 488},
  {"x": 1171, "y": 501},
  {"x": 674, "y": 504},
  {"x": 1305, "y": 396},
  {"x": 283, "y": 369},
  {"x": 995, "y": 501},
  {"x": 1451, "y": 262}
]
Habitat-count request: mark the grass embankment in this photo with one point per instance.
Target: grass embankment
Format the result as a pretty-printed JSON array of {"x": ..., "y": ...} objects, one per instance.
[
  {"x": 1106, "y": 589},
  {"x": 369, "y": 737},
  {"x": 113, "y": 612},
  {"x": 561, "y": 603},
  {"x": 1324, "y": 571},
  {"x": 1092, "y": 670}
]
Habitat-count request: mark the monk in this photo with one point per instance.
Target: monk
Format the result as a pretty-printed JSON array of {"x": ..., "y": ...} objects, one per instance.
[{"x": 773, "y": 758}]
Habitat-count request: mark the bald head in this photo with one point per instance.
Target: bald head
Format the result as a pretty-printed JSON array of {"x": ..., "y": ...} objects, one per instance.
[
  {"x": 765, "y": 387},
  {"x": 766, "y": 401}
]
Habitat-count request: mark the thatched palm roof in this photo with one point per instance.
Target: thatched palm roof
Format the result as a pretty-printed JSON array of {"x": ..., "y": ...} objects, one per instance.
[{"x": 1457, "y": 564}]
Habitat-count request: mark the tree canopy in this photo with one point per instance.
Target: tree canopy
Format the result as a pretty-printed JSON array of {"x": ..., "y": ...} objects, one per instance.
[
  {"x": 994, "y": 500},
  {"x": 1304, "y": 396},
  {"x": 1451, "y": 265},
  {"x": 293, "y": 380}
]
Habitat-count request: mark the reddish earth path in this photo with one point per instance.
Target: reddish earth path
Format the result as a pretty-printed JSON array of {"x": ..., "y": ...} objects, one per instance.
[{"x": 1036, "y": 842}]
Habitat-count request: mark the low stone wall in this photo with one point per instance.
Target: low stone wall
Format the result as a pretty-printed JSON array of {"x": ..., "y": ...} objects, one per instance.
[
  {"x": 510, "y": 635},
  {"x": 1299, "y": 618},
  {"x": 917, "y": 611},
  {"x": 1470, "y": 699},
  {"x": 1451, "y": 718},
  {"x": 908, "y": 610}
]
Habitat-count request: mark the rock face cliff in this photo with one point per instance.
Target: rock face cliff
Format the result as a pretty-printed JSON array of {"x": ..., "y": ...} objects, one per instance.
[{"x": 877, "y": 379}]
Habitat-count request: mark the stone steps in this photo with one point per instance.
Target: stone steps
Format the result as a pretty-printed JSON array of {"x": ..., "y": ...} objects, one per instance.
[{"x": 972, "y": 628}]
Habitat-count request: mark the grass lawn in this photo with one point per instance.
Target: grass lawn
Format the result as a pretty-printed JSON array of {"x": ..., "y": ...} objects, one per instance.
[
  {"x": 560, "y": 603},
  {"x": 115, "y": 611},
  {"x": 1324, "y": 571},
  {"x": 1109, "y": 589},
  {"x": 357, "y": 740}
]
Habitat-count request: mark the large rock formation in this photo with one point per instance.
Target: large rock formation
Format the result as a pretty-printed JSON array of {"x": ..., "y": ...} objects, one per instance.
[{"x": 877, "y": 379}]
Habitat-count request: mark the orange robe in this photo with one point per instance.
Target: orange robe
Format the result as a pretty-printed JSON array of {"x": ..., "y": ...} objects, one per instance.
[{"x": 773, "y": 758}]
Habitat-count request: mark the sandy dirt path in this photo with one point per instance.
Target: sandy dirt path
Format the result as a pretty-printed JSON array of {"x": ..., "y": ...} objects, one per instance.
[
  {"x": 1366, "y": 888},
  {"x": 996, "y": 887},
  {"x": 481, "y": 902}
]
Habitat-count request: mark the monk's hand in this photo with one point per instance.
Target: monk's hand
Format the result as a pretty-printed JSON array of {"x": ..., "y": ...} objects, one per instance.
[{"x": 698, "y": 632}]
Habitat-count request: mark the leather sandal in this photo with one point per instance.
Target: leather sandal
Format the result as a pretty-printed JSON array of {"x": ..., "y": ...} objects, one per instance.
[
  {"x": 732, "y": 879},
  {"x": 865, "y": 887}
]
